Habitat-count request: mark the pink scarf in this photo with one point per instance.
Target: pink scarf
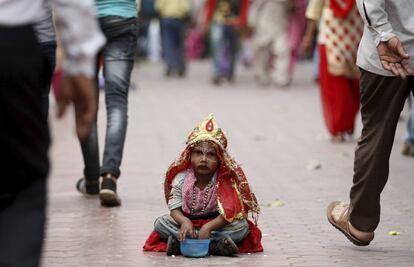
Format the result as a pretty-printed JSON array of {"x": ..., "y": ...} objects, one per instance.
[{"x": 198, "y": 202}]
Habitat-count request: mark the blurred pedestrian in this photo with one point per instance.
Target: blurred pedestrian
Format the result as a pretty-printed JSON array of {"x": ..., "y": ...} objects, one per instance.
[
  {"x": 118, "y": 22},
  {"x": 225, "y": 18},
  {"x": 146, "y": 14},
  {"x": 340, "y": 30},
  {"x": 295, "y": 30},
  {"x": 408, "y": 148},
  {"x": 174, "y": 15},
  {"x": 386, "y": 57},
  {"x": 24, "y": 133},
  {"x": 270, "y": 41},
  {"x": 195, "y": 43}
]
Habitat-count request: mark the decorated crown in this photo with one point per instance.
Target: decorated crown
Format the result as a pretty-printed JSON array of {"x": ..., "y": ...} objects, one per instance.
[{"x": 208, "y": 130}]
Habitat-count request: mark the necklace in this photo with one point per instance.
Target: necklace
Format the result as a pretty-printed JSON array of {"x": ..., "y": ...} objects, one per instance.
[{"x": 205, "y": 197}]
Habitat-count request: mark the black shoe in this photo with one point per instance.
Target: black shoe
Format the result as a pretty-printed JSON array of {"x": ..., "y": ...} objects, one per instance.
[
  {"x": 173, "y": 246},
  {"x": 230, "y": 78},
  {"x": 168, "y": 72},
  {"x": 107, "y": 194},
  {"x": 408, "y": 149},
  {"x": 88, "y": 189},
  {"x": 223, "y": 247},
  {"x": 216, "y": 80},
  {"x": 181, "y": 72}
]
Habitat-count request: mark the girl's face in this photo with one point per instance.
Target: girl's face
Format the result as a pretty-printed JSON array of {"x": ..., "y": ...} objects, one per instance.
[{"x": 204, "y": 159}]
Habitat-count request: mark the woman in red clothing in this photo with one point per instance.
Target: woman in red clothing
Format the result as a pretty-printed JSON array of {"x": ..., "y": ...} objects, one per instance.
[
  {"x": 340, "y": 31},
  {"x": 225, "y": 17}
]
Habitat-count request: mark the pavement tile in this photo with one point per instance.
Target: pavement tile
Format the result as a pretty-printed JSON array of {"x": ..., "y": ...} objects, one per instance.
[{"x": 274, "y": 133}]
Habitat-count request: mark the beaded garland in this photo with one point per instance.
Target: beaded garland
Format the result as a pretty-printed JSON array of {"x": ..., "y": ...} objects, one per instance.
[{"x": 205, "y": 197}]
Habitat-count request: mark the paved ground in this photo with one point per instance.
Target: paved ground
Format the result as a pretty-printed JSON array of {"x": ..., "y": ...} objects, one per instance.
[{"x": 276, "y": 134}]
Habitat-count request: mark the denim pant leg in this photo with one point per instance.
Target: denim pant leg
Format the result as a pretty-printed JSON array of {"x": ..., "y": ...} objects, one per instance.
[
  {"x": 231, "y": 36},
  {"x": 224, "y": 49},
  {"x": 90, "y": 146},
  {"x": 217, "y": 44},
  {"x": 118, "y": 53},
  {"x": 166, "y": 226},
  {"x": 180, "y": 55},
  {"x": 410, "y": 123},
  {"x": 167, "y": 41},
  {"x": 173, "y": 40},
  {"x": 90, "y": 152},
  {"x": 237, "y": 230}
]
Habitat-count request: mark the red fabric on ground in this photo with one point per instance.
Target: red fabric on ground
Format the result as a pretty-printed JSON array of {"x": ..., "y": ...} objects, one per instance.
[
  {"x": 251, "y": 243},
  {"x": 340, "y": 98}
]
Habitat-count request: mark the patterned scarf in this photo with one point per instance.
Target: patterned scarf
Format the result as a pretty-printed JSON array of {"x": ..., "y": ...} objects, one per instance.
[{"x": 198, "y": 202}]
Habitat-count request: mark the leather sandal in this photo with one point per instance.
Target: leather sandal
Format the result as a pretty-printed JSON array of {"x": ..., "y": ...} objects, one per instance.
[{"x": 338, "y": 216}]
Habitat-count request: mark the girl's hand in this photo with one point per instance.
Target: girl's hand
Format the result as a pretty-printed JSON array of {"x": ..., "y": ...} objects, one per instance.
[
  {"x": 204, "y": 233},
  {"x": 186, "y": 229}
]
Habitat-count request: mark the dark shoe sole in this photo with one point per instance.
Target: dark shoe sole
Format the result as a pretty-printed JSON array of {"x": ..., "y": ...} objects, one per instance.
[
  {"x": 109, "y": 198},
  {"x": 350, "y": 237}
]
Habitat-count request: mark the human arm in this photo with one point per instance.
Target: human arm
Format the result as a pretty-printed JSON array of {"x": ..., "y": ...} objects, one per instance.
[
  {"x": 216, "y": 223},
  {"x": 81, "y": 40},
  {"x": 175, "y": 202},
  {"x": 186, "y": 226},
  {"x": 391, "y": 51},
  {"x": 313, "y": 14},
  {"x": 308, "y": 39},
  {"x": 374, "y": 16}
]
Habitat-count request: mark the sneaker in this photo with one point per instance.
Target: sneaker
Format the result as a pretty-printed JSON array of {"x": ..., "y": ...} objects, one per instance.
[
  {"x": 173, "y": 246},
  {"x": 181, "y": 72},
  {"x": 408, "y": 149},
  {"x": 216, "y": 80},
  {"x": 168, "y": 72},
  {"x": 89, "y": 189},
  {"x": 107, "y": 194},
  {"x": 338, "y": 216},
  {"x": 223, "y": 247}
]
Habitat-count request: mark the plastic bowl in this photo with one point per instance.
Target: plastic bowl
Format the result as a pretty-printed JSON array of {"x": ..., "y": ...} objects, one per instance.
[{"x": 194, "y": 248}]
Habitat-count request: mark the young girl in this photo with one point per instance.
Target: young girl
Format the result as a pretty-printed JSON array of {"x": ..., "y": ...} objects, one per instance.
[
  {"x": 226, "y": 18},
  {"x": 208, "y": 197}
]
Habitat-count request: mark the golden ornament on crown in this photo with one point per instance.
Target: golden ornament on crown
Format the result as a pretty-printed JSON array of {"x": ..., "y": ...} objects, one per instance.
[{"x": 208, "y": 130}]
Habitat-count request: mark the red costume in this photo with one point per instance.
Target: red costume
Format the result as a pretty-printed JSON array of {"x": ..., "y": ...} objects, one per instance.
[{"x": 234, "y": 197}]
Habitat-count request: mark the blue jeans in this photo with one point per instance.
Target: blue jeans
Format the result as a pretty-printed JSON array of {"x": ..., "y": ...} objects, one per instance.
[
  {"x": 165, "y": 226},
  {"x": 224, "y": 44},
  {"x": 410, "y": 123},
  {"x": 172, "y": 30},
  {"x": 118, "y": 55}
]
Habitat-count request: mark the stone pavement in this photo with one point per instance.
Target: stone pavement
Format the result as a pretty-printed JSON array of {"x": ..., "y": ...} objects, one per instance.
[{"x": 277, "y": 135}]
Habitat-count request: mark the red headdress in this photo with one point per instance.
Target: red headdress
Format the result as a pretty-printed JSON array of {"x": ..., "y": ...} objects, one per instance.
[{"x": 235, "y": 199}]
